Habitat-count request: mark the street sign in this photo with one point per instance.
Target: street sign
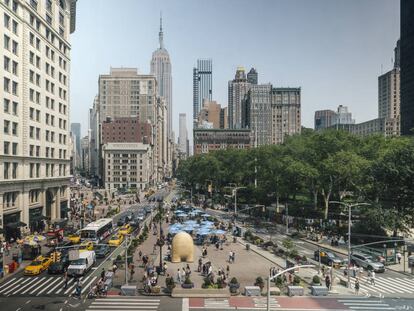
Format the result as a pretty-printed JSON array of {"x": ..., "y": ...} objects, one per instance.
[{"x": 73, "y": 254}]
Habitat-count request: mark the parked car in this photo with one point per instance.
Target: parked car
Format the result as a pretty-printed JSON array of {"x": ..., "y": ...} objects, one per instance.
[
  {"x": 102, "y": 250},
  {"x": 328, "y": 258},
  {"x": 38, "y": 265},
  {"x": 367, "y": 262},
  {"x": 59, "y": 266}
]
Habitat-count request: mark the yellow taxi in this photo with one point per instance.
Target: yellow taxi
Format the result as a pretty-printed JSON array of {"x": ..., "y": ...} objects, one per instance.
[
  {"x": 38, "y": 265},
  {"x": 125, "y": 229},
  {"x": 74, "y": 238},
  {"x": 86, "y": 246},
  {"x": 116, "y": 240}
]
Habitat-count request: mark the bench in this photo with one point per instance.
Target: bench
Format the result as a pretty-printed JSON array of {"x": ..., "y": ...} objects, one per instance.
[
  {"x": 252, "y": 291},
  {"x": 295, "y": 291},
  {"x": 319, "y": 290}
]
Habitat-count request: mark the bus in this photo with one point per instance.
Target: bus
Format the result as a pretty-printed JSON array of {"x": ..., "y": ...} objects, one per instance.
[{"x": 96, "y": 231}]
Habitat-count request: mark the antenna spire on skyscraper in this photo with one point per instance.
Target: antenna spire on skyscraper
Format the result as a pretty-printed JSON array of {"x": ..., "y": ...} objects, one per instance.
[{"x": 161, "y": 35}]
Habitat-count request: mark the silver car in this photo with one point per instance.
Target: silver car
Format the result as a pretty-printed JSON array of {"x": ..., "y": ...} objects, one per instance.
[{"x": 367, "y": 262}]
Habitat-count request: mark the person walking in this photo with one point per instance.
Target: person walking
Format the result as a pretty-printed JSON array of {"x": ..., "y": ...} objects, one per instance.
[
  {"x": 230, "y": 256},
  {"x": 328, "y": 282},
  {"x": 372, "y": 279},
  {"x": 103, "y": 274},
  {"x": 66, "y": 278},
  {"x": 114, "y": 268},
  {"x": 228, "y": 271},
  {"x": 357, "y": 286},
  {"x": 233, "y": 257},
  {"x": 399, "y": 256}
]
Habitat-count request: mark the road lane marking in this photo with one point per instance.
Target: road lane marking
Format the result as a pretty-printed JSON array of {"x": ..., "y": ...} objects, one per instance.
[
  {"x": 24, "y": 286},
  {"x": 15, "y": 285},
  {"x": 37, "y": 283},
  {"x": 50, "y": 284},
  {"x": 8, "y": 282},
  {"x": 89, "y": 284},
  {"x": 60, "y": 283}
]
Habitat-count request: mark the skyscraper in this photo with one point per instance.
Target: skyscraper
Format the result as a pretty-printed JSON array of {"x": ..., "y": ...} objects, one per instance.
[
  {"x": 343, "y": 116},
  {"x": 75, "y": 128},
  {"x": 202, "y": 85},
  {"x": 183, "y": 135},
  {"x": 161, "y": 69},
  {"x": 407, "y": 66},
  {"x": 237, "y": 89},
  {"x": 35, "y": 136},
  {"x": 252, "y": 76}
]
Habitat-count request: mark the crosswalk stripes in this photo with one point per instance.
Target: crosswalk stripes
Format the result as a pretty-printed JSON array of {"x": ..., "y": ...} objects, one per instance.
[
  {"x": 43, "y": 285},
  {"x": 387, "y": 285},
  {"x": 365, "y": 304},
  {"x": 124, "y": 304},
  {"x": 216, "y": 303},
  {"x": 261, "y": 302}
]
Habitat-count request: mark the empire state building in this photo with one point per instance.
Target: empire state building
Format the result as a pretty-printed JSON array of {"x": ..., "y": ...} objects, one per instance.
[{"x": 161, "y": 69}]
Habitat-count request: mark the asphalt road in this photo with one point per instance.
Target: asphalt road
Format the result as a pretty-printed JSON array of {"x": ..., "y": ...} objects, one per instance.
[{"x": 73, "y": 304}]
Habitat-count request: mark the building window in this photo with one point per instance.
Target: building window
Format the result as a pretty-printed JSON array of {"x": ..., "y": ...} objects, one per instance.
[
  {"x": 6, "y": 21},
  {"x": 6, "y": 168},
  {"x": 15, "y": 27},
  {"x": 14, "y": 149},
  {"x": 10, "y": 198},
  {"x": 6, "y": 127},
  {"x": 6, "y": 42},
  {"x": 15, "y": 48},
  {"x": 6, "y": 147},
  {"x": 6, "y": 85},
  {"x": 6, "y": 104},
  {"x": 33, "y": 3},
  {"x": 14, "y": 170}
]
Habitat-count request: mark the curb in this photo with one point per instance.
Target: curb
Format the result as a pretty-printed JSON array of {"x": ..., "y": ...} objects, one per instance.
[{"x": 346, "y": 254}]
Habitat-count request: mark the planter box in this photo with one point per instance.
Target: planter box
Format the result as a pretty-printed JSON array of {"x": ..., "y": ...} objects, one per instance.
[
  {"x": 319, "y": 290},
  {"x": 295, "y": 291},
  {"x": 252, "y": 291}
]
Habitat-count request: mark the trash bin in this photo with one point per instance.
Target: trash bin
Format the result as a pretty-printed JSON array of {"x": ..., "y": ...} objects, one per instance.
[
  {"x": 247, "y": 246},
  {"x": 11, "y": 267}
]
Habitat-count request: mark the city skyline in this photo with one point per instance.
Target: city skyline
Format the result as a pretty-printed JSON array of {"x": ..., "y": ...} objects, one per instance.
[{"x": 348, "y": 39}]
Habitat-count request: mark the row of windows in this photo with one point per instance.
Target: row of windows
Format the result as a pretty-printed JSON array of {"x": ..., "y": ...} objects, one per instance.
[
  {"x": 10, "y": 127},
  {"x": 49, "y": 152},
  {"x": 10, "y": 148},
  {"x": 10, "y": 107},
  {"x": 10, "y": 170},
  {"x": 10, "y": 86}
]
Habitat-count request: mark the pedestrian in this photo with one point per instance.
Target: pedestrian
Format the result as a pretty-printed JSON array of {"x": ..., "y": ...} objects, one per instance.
[
  {"x": 114, "y": 268},
  {"x": 103, "y": 274},
  {"x": 140, "y": 254},
  {"x": 132, "y": 271},
  {"x": 399, "y": 256},
  {"x": 164, "y": 268},
  {"x": 356, "y": 286},
  {"x": 183, "y": 275},
  {"x": 66, "y": 278},
  {"x": 233, "y": 257},
  {"x": 230, "y": 256},
  {"x": 200, "y": 264},
  {"x": 372, "y": 279},
  {"x": 328, "y": 282},
  {"x": 228, "y": 271}
]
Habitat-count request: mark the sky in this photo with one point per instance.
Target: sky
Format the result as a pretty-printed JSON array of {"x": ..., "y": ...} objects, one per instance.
[{"x": 333, "y": 49}]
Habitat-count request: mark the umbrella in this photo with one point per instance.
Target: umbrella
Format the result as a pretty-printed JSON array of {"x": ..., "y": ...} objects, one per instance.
[
  {"x": 30, "y": 242},
  {"x": 35, "y": 237},
  {"x": 174, "y": 230},
  {"x": 206, "y": 215},
  {"x": 219, "y": 231},
  {"x": 182, "y": 215},
  {"x": 179, "y": 211},
  {"x": 190, "y": 222}
]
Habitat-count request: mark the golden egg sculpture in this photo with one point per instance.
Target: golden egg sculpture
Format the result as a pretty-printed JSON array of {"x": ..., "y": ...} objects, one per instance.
[{"x": 182, "y": 248}]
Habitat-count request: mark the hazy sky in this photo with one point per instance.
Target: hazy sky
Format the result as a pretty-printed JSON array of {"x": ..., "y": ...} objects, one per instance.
[{"x": 333, "y": 49}]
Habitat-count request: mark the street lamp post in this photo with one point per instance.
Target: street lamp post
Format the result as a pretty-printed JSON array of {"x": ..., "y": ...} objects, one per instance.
[
  {"x": 235, "y": 199},
  {"x": 349, "y": 206}
]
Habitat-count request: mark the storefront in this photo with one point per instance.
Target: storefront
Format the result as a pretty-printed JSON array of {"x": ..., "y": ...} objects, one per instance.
[
  {"x": 36, "y": 219},
  {"x": 12, "y": 225}
]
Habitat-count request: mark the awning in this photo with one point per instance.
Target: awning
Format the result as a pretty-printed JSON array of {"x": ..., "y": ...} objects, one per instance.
[{"x": 16, "y": 224}]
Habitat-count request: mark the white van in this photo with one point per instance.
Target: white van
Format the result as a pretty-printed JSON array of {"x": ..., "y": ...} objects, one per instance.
[{"x": 83, "y": 264}]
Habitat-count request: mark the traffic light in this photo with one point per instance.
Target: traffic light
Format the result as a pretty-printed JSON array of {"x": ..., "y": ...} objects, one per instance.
[{"x": 56, "y": 256}]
